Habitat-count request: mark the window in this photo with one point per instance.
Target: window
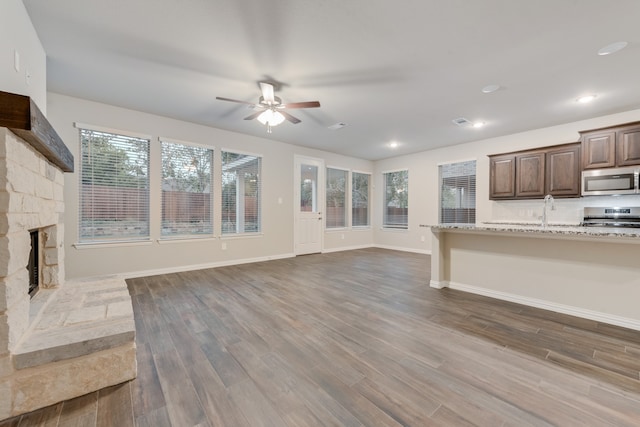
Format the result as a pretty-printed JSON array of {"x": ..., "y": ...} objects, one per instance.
[
  {"x": 241, "y": 188},
  {"x": 396, "y": 199},
  {"x": 458, "y": 192},
  {"x": 114, "y": 187},
  {"x": 186, "y": 190},
  {"x": 336, "y": 194},
  {"x": 360, "y": 199}
]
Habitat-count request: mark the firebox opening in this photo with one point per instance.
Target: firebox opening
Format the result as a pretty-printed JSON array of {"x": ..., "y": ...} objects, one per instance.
[{"x": 34, "y": 263}]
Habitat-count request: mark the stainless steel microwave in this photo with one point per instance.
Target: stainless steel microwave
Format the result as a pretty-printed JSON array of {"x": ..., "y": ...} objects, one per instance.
[{"x": 610, "y": 181}]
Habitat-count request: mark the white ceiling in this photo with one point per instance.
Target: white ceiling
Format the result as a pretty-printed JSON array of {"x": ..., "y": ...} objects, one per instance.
[{"x": 390, "y": 70}]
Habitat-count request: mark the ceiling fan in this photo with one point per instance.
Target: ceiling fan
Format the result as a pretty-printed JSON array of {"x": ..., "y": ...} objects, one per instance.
[{"x": 270, "y": 107}]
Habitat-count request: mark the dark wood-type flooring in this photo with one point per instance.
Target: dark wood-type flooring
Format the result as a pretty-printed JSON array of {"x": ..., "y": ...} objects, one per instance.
[{"x": 355, "y": 339}]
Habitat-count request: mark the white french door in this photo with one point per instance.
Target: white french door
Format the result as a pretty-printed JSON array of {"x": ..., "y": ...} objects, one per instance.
[{"x": 309, "y": 196}]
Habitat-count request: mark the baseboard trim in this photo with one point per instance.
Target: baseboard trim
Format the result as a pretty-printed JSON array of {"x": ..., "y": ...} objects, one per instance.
[
  {"x": 182, "y": 268},
  {"x": 546, "y": 305},
  {"x": 438, "y": 285},
  {"x": 346, "y": 248},
  {"x": 398, "y": 248}
]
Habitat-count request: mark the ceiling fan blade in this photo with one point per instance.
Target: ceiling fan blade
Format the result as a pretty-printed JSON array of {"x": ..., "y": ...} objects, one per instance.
[
  {"x": 308, "y": 104},
  {"x": 254, "y": 115},
  {"x": 234, "y": 100},
  {"x": 267, "y": 93},
  {"x": 289, "y": 117}
]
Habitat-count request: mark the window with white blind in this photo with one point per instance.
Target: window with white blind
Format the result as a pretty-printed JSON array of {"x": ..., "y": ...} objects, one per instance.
[
  {"x": 360, "y": 199},
  {"x": 336, "y": 198},
  {"x": 186, "y": 190},
  {"x": 396, "y": 199},
  {"x": 241, "y": 188},
  {"x": 114, "y": 187},
  {"x": 458, "y": 192}
]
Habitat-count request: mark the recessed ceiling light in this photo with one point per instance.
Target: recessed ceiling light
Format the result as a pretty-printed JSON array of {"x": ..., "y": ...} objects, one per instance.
[
  {"x": 586, "y": 99},
  {"x": 337, "y": 126},
  {"x": 612, "y": 48},
  {"x": 490, "y": 88},
  {"x": 478, "y": 124},
  {"x": 393, "y": 144}
]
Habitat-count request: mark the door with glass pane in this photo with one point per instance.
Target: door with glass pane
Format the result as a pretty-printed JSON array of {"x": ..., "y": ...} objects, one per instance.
[{"x": 309, "y": 202}]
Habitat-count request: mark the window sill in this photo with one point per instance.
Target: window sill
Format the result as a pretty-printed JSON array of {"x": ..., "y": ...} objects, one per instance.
[
  {"x": 241, "y": 236},
  {"x": 186, "y": 240},
  {"x": 102, "y": 245},
  {"x": 395, "y": 230}
]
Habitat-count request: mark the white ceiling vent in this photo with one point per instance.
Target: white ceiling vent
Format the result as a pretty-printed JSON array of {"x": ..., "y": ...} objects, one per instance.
[{"x": 461, "y": 121}]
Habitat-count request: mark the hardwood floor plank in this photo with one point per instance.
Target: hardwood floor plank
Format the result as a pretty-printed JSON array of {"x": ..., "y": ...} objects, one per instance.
[
  {"x": 80, "y": 412},
  {"x": 46, "y": 417},
  {"x": 260, "y": 413},
  {"x": 183, "y": 404},
  {"x": 115, "y": 406},
  {"x": 155, "y": 418},
  {"x": 227, "y": 368},
  {"x": 146, "y": 390}
]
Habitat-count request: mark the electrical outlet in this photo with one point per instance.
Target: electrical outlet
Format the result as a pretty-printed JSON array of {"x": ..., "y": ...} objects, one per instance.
[
  {"x": 422, "y": 238},
  {"x": 224, "y": 246},
  {"x": 342, "y": 236}
]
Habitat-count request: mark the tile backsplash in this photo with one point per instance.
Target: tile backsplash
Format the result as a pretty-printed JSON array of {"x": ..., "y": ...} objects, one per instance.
[{"x": 567, "y": 211}]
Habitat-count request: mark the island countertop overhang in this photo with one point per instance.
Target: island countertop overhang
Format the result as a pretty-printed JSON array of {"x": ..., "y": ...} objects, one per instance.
[{"x": 556, "y": 231}]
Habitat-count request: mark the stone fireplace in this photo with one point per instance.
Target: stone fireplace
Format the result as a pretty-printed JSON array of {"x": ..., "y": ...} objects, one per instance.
[{"x": 66, "y": 339}]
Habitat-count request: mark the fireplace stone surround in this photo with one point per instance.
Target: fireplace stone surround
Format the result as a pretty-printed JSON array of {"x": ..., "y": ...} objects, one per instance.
[{"x": 72, "y": 337}]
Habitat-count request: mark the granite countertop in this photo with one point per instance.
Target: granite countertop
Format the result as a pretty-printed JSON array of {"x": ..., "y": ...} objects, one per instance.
[{"x": 552, "y": 229}]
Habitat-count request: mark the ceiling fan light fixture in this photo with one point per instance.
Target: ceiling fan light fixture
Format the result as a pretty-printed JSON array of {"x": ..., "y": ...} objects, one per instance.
[{"x": 271, "y": 118}]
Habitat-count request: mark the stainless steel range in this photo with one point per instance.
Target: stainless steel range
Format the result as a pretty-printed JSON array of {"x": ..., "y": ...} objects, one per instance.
[{"x": 612, "y": 217}]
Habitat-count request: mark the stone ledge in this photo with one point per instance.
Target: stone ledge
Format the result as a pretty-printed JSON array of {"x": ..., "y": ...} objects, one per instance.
[{"x": 79, "y": 318}]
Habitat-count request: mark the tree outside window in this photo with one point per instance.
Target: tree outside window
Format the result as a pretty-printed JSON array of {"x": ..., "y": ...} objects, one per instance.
[
  {"x": 241, "y": 188},
  {"x": 336, "y": 198},
  {"x": 396, "y": 200}
]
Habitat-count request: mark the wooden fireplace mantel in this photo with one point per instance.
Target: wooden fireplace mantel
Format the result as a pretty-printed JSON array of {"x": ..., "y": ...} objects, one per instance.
[{"x": 22, "y": 116}]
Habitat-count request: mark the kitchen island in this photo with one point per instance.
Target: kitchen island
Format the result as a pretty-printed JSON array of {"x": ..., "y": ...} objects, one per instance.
[{"x": 590, "y": 272}]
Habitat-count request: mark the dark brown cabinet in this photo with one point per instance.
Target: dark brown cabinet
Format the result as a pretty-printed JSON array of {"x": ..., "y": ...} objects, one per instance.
[
  {"x": 563, "y": 171},
  {"x": 628, "y": 146},
  {"x": 502, "y": 169},
  {"x": 598, "y": 150},
  {"x": 612, "y": 146},
  {"x": 532, "y": 174}
]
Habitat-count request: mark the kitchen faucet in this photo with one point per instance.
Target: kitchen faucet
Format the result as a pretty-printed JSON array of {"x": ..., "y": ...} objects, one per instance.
[{"x": 548, "y": 200}]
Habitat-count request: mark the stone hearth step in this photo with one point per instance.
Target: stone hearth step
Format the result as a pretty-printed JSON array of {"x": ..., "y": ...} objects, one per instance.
[{"x": 79, "y": 318}]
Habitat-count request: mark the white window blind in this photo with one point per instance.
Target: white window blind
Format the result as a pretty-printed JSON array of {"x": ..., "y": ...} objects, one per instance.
[
  {"x": 458, "y": 192},
  {"x": 396, "y": 199},
  {"x": 360, "y": 199},
  {"x": 186, "y": 190},
  {"x": 336, "y": 215},
  {"x": 114, "y": 187},
  {"x": 241, "y": 189}
]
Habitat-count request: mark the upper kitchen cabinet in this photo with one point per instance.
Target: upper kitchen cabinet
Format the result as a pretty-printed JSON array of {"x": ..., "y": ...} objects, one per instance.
[
  {"x": 628, "y": 145},
  {"x": 502, "y": 171},
  {"x": 563, "y": 171},
  {"x": 532, "y": 174},
  {"x": 612, "y": 146}
]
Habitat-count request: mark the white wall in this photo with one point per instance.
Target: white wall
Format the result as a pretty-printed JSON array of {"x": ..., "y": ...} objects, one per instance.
[
  {"x": 423, "y": 183},
  {"x": 277, "y": 182},
  {"x": 17, "y": 34}
]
